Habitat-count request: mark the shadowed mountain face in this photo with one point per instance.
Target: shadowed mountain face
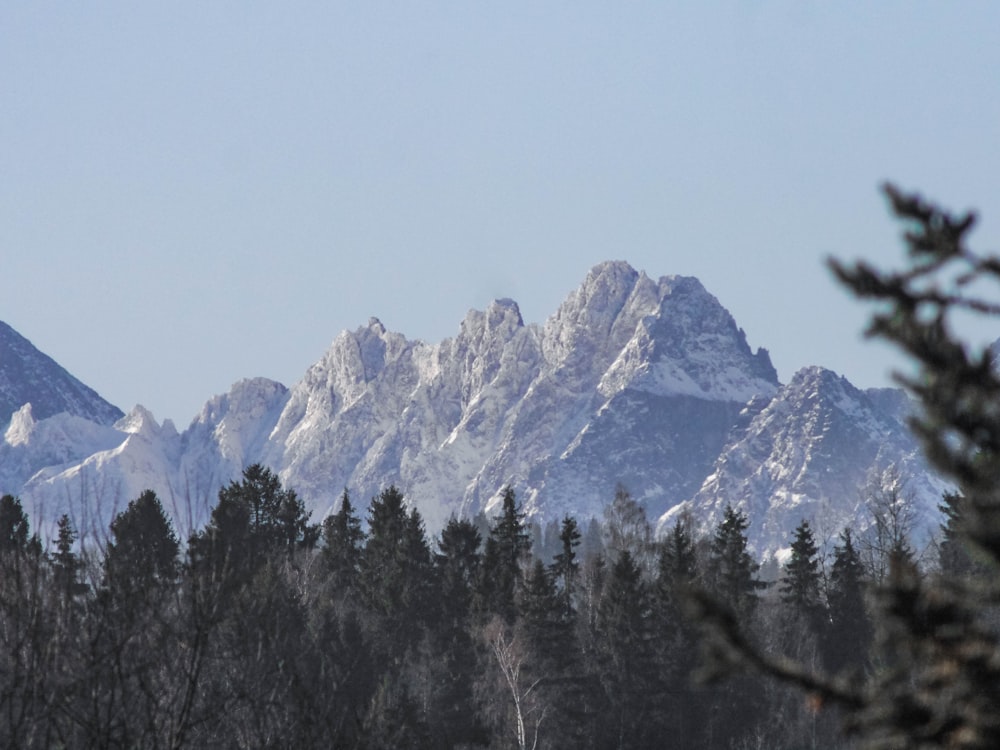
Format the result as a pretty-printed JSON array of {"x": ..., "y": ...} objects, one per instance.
[
  {"x": 28, "y": 376},
  {"x": 645, "y": 383},
  {"x": 816, "y": 452}
]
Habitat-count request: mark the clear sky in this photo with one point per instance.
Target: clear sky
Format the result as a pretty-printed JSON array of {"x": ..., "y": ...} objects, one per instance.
[{"x": 196, "y": 192}]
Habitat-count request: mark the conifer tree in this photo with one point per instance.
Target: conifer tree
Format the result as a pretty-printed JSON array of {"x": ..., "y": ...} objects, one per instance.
[
  {"x": 276, "y": 517},
  {"x": 142, "y": 554},
  {"x": 678, "y": 560},
  {"x": 397, "y": 587},
  {"x": 799, "y": 627},
  {"x": 14, "y": 526},
  {"x": 954, "y": 555},
  {"x": 254, "y": 520},
  {"x": 849, "y": 638},
  {"x": 800, "y": 584},
  {"x": 627, "y": 664},
  {"x": 455, "y": 719},
  {"x": 395, "y": 569},
  {"x": 458, "y": 564},
  {"x": 262, "y": 656},
  {"x": 565, "y": 568},
  {"x": 243, "y": 617},
  {"x": 540, "y": 608},
  {"x": 732, "y": 570},
  {"x": 66, "y": 565},
  {"x": 343, "y": 540},
  {"x": 552, "y": 658},
  {"x": 507, "y": 546},
  {"x": 121, "y": 698},
  {"x": 28, "y": 640},
  {"x": 943, "y": 695},
  {"x": 683, "y": 708}
]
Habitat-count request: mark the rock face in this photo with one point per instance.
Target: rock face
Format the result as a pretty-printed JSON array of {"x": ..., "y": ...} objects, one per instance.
[
  {"x": 647, "y": 383},
  {"x": 815, "y": 452},
  {"x": 28, "y": 376},
  {"x": 631, "y": 380}
]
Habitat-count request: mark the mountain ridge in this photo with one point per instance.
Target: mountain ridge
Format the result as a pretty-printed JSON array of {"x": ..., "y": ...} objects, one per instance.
[{"x": 646, "y": 383}]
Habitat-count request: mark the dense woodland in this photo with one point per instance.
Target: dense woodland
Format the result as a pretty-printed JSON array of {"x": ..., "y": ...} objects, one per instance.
[{"x": 362, "y": 632}]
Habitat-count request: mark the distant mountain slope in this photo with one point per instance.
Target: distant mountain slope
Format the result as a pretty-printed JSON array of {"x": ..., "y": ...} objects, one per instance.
[
  {"x": 29, "y": 376},
  {"x": 810, "y": 454}
]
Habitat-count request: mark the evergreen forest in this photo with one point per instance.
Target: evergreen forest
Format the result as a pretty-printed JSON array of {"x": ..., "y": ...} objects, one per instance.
[{"x": 268, "y": 631}]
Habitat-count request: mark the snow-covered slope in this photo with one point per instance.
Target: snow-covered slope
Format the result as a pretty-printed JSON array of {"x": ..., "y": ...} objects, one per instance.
[
  {"x": 62, "y": 440},
  {"x": 634, "y": 381},
  {"x": 141, "y": 456},
  {"x": 810, "y": 454}
]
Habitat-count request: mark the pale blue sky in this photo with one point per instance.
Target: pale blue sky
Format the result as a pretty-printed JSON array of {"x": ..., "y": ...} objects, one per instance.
[{"x": 192, "y": 193}]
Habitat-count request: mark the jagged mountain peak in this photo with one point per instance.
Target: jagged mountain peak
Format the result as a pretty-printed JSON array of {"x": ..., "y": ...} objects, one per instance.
[
  {"x": 29, "y": 376},
  {"x": 613, "y": 287},
  {"x": 821, "y": 378},
  {"x": 243, "y": 409},
  {"x": 138, "y": 420},
  {"x": 817, "y": 388},
  {"x": 807, "y": 454},
  {"x": 501, "y": 319},
  {"x": 598, "y": 320},
  {"x": 249, "y": 397},
  {"x": 232, "y": 430},
  {"x": 377, "y": 346},
  {"x": 22, "y": 424},
  {"x": 505, "y": 313},
  {"x": 594, "y": 306},
  {"x": 354, "y": 359},
  {"x": 610, "y": 280},
  {"x": 821, "y": 386},
  {"x": 686, "y": 342}
]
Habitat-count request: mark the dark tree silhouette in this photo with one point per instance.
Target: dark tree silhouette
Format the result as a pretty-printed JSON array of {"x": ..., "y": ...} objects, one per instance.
[
  {"x": 800, "y": 584},
  {"x": 565, "y": 568},
  {"x": 507, "y": 547},
  {"x": 142, "y": 553}
]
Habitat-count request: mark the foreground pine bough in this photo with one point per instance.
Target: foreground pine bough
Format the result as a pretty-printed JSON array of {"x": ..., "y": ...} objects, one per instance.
[{"x": 935, "y": 677}]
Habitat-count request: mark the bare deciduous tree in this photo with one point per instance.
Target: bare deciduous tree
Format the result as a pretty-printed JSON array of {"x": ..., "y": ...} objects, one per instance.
[
  {"x": 889, "y": 504},
  {"x": 510, "y": 656}
]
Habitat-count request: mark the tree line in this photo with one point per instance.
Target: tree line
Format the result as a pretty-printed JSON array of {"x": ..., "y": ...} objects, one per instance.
[{"x": 269, "y": 631}]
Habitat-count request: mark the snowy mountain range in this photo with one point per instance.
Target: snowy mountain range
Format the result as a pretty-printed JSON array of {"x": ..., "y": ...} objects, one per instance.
[{"x": 645, "y": 383}]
